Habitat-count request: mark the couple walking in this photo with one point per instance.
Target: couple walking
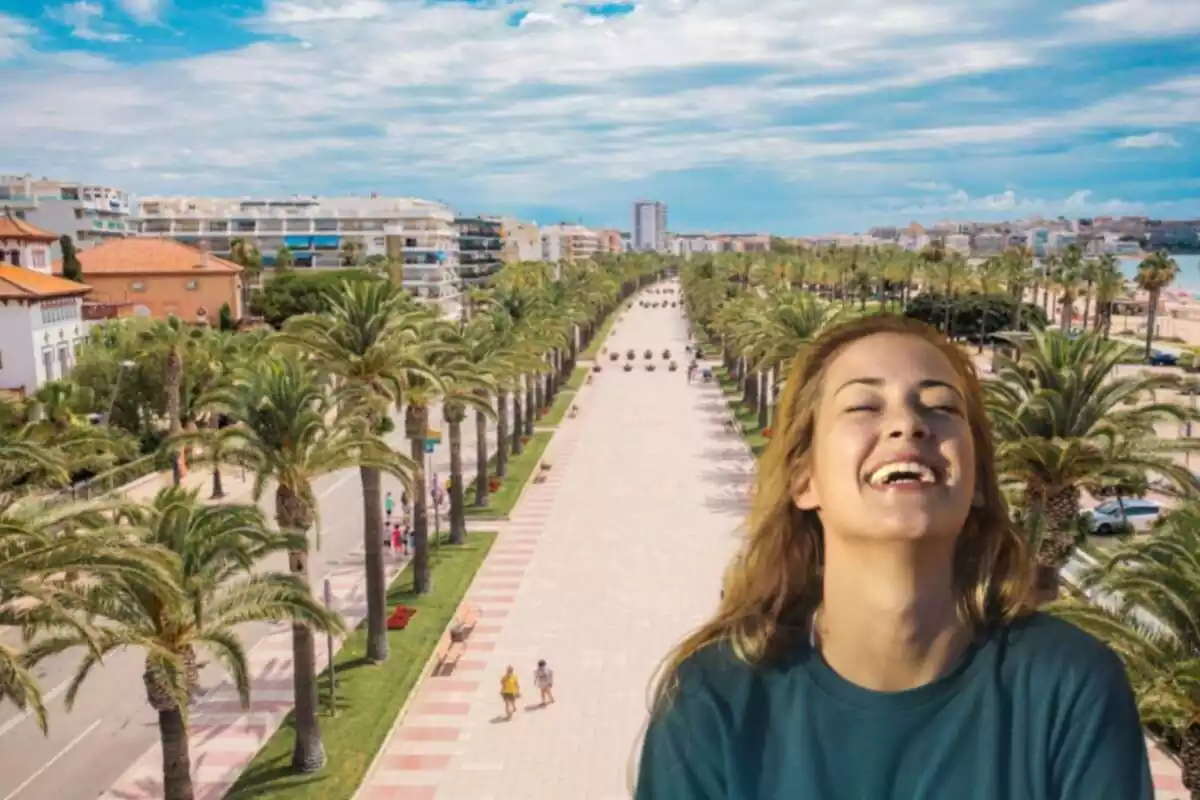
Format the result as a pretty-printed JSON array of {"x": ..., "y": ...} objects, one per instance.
[{"x": 510, "y": 688}]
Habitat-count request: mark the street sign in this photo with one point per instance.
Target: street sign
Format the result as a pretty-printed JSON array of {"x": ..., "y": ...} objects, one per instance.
[
  {"x": 430, "y": 444},
  {"x": 433, "y": 435}
]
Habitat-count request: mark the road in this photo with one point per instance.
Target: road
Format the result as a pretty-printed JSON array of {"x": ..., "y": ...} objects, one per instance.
[{"x": 111, "y": 725}]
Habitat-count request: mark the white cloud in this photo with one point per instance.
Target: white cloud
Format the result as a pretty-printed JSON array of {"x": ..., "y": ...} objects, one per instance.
[
  {"x": 1136, "y": 18},
  {"x": 86, "y": 21},
  {"x": 930, "y": 186},
  {"x": 146, "y": 12},
  {"x": 14, "y": 34},
  {"x": 1149, "y": 140},
  {"x": 460, "y": 97},
  {"x": 1010, "y": 204}
]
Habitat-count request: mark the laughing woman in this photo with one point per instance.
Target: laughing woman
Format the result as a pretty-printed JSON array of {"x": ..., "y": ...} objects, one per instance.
[{"x": 874, "y": 640}]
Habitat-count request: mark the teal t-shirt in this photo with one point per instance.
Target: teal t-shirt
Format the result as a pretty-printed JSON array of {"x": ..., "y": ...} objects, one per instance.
[{"x": 1036, "y": 711}]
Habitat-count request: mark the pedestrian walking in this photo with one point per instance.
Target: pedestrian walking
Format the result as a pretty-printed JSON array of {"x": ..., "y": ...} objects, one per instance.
[
  {"x": 543, "y": 679},
  {"x": 387, "y": 537},
  {"x": 388, "y": 505},
  {"x": 398, "y": 544},
  {"x": 510, "y": 690}
]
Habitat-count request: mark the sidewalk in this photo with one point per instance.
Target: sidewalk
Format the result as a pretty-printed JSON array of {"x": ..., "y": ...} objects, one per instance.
[{"x": 640, "y": 509}]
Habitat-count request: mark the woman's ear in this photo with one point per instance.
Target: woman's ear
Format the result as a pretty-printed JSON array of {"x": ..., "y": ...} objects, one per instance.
[{"x": 805, "y": 494}]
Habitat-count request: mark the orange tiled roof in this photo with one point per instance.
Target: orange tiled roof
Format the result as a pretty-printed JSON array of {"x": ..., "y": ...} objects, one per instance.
[
  {"x": 148, "y": 257},
  {"x": 24, "y": 284},
  {"x": 12, "y": 227}
]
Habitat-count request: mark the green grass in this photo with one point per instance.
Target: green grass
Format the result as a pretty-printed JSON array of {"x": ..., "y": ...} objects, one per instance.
[
  {"x": 746, "y": 417},
  {"x": 520, "y": 469},
  {"x": 591, "y": 351},
  {"x": 558, "y": 411},
  {"x": 369, "y": 696},
  {"x": 578, "y": 376}
]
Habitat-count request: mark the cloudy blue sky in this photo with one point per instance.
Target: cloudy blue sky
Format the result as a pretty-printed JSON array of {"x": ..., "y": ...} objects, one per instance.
[{"x": 793, "y": 116}]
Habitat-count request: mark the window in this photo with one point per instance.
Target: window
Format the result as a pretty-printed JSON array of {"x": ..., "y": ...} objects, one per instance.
[
  {"x": 1107, "y": 508},
  {"x": 192, "y": 286},
  {"x": 14, "y": 257},
  {"x": 137, "y": 286},
  {"x": 48, "y": 363},
  {"x": 39, "y": 258},
  {"x": 64, "y": 360}
]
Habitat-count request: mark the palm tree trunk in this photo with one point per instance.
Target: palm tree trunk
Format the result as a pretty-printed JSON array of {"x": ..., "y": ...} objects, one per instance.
[
  {"x": 177, "y": 763},
  {"x": 1151, "y": 315},
  {"x": 1189, "y": 759},
  {"x": 501, "y": 433},
  {"x": 308, "y": 751},
  {"x": 1087, "y": 304},
  {"x": 762, "y": 399},
  {"x": 458, "y": 517},
  {"x": 422, "y": 580},
  {"x": 531, "y": 407},
  {"x": 218, "y": 489},
  {"x": 517, "y": 447},
  {"x": 481, "y": 460},
  {"x": 174, "y": 379},
  {"x": 373, "y": 533}
]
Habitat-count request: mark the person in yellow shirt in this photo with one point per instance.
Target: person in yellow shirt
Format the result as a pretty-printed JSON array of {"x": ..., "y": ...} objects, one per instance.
[{"x": 510, "y": 690}]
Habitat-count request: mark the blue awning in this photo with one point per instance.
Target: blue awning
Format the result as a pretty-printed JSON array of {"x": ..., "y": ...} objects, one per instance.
[
  {"x": 298, "y": 242},
  {"x": 326, "y": 241}
]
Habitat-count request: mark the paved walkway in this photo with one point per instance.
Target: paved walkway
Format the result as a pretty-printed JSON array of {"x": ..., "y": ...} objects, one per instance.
[{"x": 603, "y": 567}]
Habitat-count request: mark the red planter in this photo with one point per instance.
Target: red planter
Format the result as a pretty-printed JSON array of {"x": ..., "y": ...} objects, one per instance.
[
  {"x": 766, "y": 432},
  {"x": 400, "y": 617},
  {"x": 494, "y": 484}
]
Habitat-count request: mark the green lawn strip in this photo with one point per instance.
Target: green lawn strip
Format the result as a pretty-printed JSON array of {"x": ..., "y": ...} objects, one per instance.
[
  {"x": 520, "y": 469},
  {"x": 369, "y": 696},
  {"x": 558, "y": 411},
  {"x": 578, "y": 376},
  {"x": 747, "y": 418},
  {"x": 592, "y": 349}
]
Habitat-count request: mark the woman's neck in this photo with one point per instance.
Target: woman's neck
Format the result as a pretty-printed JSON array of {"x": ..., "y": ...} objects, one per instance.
[{"x": 888, "y": 619}]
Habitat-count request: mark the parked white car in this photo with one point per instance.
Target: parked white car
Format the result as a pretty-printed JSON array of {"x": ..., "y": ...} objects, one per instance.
[{"x": 1138, "y": 513}]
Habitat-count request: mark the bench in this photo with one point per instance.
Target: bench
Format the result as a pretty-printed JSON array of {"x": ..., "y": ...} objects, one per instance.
[{"x": 456, "y": 640}]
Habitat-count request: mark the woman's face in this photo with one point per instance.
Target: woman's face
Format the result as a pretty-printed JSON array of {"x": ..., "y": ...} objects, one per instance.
[{"x": 893, "y": 457}]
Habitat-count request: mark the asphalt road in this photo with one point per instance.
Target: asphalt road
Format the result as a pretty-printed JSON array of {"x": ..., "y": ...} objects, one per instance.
[{"x": 111, "y": 725}]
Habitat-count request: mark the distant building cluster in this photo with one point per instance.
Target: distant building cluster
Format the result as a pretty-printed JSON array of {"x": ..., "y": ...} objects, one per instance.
[{"x": 1121, "y": 236}]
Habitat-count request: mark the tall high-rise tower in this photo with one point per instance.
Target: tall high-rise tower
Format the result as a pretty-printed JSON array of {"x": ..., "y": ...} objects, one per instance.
[{"x": 649, "y": 227}]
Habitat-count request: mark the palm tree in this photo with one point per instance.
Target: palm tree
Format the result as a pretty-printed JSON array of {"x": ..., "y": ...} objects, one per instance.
[
  {"x": 290, "y": 431},
  {"x": 1154, "y": 274},
  {"x": 465, "y": 385},
  {"x": 49, "y": 556},
  {"x": 370, "y": 341},
  {"x": 1068, "y": 277},
  {"x": 1064, "y": 420},
  {"x": 176, "y": 340},
  {"x": 212, "y": 590},
  {"x": 1110, "y": 283},
  {"x": 1150, "y": 621}
]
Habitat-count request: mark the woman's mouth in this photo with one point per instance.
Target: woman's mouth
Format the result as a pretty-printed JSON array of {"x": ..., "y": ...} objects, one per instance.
[{"x": 905, "y": 474}]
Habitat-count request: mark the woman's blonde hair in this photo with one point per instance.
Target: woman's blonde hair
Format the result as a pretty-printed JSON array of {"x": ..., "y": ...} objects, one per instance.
[{"x": 773, "y": 585}]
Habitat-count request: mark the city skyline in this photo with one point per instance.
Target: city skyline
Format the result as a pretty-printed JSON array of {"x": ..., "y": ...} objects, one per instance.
[{"x": 817, "y": 117}]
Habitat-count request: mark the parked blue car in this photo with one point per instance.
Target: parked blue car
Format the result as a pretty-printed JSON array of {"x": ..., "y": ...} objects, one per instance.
[{"x": 1162, "y": 358}]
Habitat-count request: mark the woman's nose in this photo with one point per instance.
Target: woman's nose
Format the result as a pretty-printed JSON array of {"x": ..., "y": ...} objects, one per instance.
[{"x": 906, "y": 423}]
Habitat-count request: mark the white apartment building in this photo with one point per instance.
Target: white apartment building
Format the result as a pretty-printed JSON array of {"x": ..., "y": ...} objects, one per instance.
[
  {"x": 990, "y": 242},
  {"x": 566, "y": 242},
  {"x": 522, "y": 241},
  {"x": 320, "y": 232},
  {"x": 88, "y": 214},
  {"x": 959, "y": 243},
  {"x": 41, "y": 315},
  {"x": 649, "y": 227},
  {"x": 688, "y": 245}
]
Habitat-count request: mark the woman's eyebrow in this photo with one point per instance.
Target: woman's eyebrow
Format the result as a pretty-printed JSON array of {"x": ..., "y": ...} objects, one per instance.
[{"x": 928, "y": 383}]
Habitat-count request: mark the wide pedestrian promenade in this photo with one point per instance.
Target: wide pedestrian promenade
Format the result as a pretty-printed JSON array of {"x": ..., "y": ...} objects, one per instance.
[{"x": 603, "y": 567}]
